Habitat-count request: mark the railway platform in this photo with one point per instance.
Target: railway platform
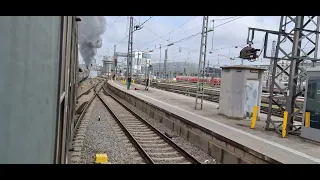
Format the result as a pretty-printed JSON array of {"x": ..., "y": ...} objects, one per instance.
[{"x": 257, "y": 142}]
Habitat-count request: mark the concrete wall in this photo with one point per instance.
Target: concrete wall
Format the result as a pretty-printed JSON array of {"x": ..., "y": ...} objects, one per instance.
[
  {"x": 222, "y": 149},
  {"x": 107, "y": 66},
  {"x": 233, "y": 91},
  {"x": 236, "y": 106},
  {"x": 224, "y": 98},
  {"x": 30, "y": 49}
]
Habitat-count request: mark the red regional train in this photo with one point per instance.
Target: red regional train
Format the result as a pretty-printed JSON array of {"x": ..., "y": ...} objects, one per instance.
[{"x": 194, "y": 79}]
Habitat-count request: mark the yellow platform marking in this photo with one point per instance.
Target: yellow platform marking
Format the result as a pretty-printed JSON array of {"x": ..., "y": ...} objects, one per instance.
[
  {"x": 307, "y": 119},
  {"x": 101, "y": 159},
  {"x": 254, "y": 117}
]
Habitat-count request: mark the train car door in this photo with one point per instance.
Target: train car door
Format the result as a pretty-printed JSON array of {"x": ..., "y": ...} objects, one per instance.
[{"x": 312, "y": 105}]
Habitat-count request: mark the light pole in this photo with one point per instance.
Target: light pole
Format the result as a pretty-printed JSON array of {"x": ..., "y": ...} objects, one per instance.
[
  {"x": 166, "y": 60},
  {"x": 149, "y": 69},
  {"x": 138, "y": 63},
  {"x": 150, "y": 63},
  {"x": 160, "y": 61},
  {"x": 234, "y": 57}
]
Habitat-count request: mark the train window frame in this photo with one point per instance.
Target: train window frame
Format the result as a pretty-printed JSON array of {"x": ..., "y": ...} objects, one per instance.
[
  {"x": 66, "y": 91},
  {"x": 66, "y": 123},
  {"x": 63, "y": 52},
  {"x": 62, "y": 137},
  {"x": 311, "y": 93},
  {"x": 71, "y": 89},
  {"x": 61, "y": 93}
]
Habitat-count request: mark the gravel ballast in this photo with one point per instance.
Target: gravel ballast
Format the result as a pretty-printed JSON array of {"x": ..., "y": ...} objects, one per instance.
[
  {"x": 196, "y": 152},
  {"x": 105, "y": 136}
]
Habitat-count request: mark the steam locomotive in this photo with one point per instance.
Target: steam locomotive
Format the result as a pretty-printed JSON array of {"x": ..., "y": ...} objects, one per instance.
[{"x": 83, "y": 74}]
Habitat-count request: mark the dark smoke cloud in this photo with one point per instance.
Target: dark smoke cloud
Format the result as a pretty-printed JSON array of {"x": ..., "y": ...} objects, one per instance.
[{"x": 91, "y": 28}]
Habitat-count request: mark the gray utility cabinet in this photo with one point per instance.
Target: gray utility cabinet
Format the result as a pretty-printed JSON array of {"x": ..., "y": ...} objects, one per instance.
[
  {"x": 107, "y": 66},
  {"x": 312, "y": 105},
  {"x": 240, "y": 91}
]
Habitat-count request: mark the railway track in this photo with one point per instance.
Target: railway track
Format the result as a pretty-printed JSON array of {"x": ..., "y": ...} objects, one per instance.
[
  {"x": 83, "y": 108},
  {"x": 152, "y": 145},
  {"x": 87, "y": 91}
]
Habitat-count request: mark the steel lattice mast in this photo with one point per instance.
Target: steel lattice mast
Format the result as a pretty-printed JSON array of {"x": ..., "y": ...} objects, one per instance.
[
  {"x": 129, "y": 55},
  {"x": 202, "y": 63},
  {"x": 296, "y": 30}
]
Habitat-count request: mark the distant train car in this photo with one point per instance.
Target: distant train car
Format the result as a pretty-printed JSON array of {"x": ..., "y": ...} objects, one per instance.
[
  {"x": 214, "y": 81},
  {"x": 194, "y": 79},
  {"x": 179, "y": 78}
]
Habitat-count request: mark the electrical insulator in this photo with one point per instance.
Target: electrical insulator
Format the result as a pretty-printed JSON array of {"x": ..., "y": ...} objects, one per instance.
[{"x": 249, "y": 53}]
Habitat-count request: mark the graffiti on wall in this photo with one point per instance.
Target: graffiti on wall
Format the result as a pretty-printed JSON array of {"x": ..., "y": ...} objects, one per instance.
[{"x": 252, "y": 92}]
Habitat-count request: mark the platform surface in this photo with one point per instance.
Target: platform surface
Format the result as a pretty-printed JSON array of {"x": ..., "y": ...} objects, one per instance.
[{"x": 288, "y": 150}]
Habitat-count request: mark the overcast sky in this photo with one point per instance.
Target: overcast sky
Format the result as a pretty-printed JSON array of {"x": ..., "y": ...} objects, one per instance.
[{"x": 227, "y": 35}]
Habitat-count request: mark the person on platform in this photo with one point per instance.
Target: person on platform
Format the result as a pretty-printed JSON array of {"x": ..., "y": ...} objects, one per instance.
[
  {"x": 147, "y": 85},
  {"x": 128, "y": 82}
]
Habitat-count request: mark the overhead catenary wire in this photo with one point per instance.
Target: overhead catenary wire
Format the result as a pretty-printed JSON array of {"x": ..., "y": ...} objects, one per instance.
[
  {"x": 114, "y": 22},
  {"x": 162, "y": 37},
  {"x": 118, "y": 43},
  {"x": 189, "y": 37},
  {"x": 225, "y": 18},
  {"x": 186, "y": 38},
  {"x": 201, "y": 25},
  {"x": 128, "y": 35},
  {"x": 194, "y": 35},
  {"x": 194, "y": 53},
  {"x": 146, "y": 21}
]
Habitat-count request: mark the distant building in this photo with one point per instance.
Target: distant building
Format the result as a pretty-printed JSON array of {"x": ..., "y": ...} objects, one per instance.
[
  {"x": 182, "y": 68},
  {"x": 175, "y": 68},
  {"x": 283, "y": 65},
  {"x": 212, "y": 72},
  {"x": 139, "y": 60}
]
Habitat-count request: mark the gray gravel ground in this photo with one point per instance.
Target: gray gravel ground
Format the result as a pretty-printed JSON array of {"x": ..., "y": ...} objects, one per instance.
[
  {"x": 87, "y": 84},
  {"x": 187, "y": 146},
  {"x": 105, "y": 136}
]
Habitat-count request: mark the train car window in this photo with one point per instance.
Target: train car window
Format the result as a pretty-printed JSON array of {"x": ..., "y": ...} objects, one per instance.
[
  {"x": 311, "y": 89},
  {"x": 313, "y": 101}
]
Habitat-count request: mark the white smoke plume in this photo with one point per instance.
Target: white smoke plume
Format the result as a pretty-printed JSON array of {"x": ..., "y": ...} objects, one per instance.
[{"x": 90, "y": 30}]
